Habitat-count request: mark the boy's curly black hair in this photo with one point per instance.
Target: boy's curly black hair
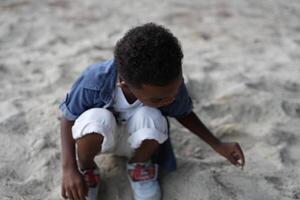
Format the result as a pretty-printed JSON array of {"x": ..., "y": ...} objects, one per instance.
[{"x": 148, "y": 54}]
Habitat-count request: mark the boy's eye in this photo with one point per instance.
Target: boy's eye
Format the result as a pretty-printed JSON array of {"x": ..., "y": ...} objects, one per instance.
[{"x": 160, "y": 100}]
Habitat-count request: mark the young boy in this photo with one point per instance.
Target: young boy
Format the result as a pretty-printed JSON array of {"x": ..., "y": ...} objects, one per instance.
[{"x": 119, "y": 106}]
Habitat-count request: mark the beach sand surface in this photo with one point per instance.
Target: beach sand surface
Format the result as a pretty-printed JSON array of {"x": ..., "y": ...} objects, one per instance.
[{"x": 242, "y": 67}]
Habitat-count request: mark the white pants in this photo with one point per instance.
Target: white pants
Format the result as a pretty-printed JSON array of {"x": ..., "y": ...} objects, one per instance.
[{"x": 122, "y": 139}]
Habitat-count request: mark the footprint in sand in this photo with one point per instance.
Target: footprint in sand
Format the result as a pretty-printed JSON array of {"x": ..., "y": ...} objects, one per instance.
[
  {"x": 291, "y": 109},
  {"x": 281, "y": 136},
  {"x": 15, "y": 124},
  {"x": 200, "y": 90}
]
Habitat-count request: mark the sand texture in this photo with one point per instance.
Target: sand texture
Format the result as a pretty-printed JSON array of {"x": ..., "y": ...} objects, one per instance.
[{"x": 242, "y": 62}]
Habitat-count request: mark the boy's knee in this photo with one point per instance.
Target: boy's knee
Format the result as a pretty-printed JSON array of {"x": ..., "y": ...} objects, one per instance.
[
  {"x": 90, "y": 139},
  {"x": 100, "y": 115},
  {"x": 95, "y": 123},
  {"x": 148, "y": 117},
  {"x": 148, "y": 112},
  {"x": 147, "y": 124}
]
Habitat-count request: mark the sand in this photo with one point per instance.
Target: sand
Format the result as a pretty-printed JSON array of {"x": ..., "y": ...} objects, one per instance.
[{"x": 242, "y": 66}]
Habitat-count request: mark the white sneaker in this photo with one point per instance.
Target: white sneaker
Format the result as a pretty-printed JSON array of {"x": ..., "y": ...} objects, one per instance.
[
  {"x": 92, "y": 193},
  {"x": 143, "y": 181}
]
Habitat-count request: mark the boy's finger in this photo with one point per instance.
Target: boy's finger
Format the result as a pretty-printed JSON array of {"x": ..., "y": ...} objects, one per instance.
[
  {"x": 240, "y": 161},
  {"x": 63, "y": 192},
  {"x": 73, "y": 194},
  {"x": 77, "y": 195},
  {"x": 235, "y": 155},
  {"x": 232, "y": 160},
  {"x": 241, "y": 154},
  {"x": 236, "y": 160},
  {"x": 69, "y": 194},
  {"x": 81, "y": 193}
]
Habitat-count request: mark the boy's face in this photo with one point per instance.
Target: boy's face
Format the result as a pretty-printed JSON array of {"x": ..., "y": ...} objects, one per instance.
[{"x": 157, "y": 96}]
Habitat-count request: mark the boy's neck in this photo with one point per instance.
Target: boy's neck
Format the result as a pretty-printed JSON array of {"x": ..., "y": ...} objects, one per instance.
[{"x": 128, "y": 95}]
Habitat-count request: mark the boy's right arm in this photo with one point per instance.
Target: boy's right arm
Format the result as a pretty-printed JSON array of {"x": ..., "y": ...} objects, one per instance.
[{"x": 73, "y": 185}]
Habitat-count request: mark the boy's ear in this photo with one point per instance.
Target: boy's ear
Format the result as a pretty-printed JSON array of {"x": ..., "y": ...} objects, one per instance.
[{"x": 122, "y": 84}]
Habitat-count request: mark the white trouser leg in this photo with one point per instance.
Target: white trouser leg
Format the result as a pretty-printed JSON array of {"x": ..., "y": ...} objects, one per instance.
[
  {"x": 147, "y": 123},
  {"x": 96, "y": 120}
]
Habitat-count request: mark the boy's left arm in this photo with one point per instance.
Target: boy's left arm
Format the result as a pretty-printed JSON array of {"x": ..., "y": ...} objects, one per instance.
[{"x": 231, "y": 151}]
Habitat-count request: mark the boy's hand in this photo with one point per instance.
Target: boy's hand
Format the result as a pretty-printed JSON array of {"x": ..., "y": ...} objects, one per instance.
[
  {"x": 73, "y": 185},
  {"x": 233, "y": 153}
]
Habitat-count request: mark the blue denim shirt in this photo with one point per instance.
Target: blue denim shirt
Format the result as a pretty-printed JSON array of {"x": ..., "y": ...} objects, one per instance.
[{"x": 94, "y": 88}]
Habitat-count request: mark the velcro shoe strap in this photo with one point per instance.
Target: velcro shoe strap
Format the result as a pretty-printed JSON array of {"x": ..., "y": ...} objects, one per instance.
[
  {"x": 91, "y": 177},
  {"x": 143, "y": 173}
]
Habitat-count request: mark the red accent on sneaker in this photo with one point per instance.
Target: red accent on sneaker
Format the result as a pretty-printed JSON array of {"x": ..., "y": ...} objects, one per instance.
[
  {"x": 142, "y": 173},
  {"x": 91, "y": 178}
]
